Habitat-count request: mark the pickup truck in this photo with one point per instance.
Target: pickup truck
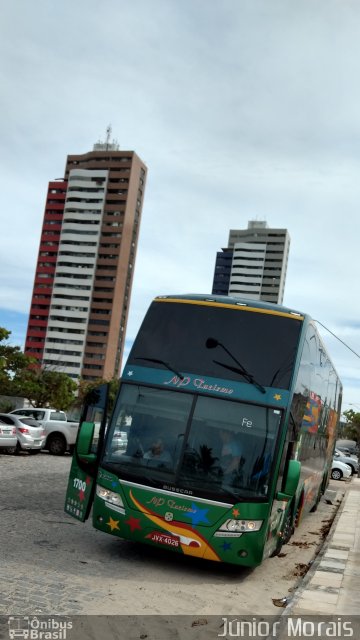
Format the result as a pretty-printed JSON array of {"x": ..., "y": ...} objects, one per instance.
[{"x": 60, "y": 432}]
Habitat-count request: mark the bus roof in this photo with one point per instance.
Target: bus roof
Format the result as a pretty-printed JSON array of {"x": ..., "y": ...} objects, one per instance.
[{"x": 233, "y": 302}]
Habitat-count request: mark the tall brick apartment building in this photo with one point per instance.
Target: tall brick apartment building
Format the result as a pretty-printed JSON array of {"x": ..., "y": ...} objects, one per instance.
[{"x": 84, "y": 272}]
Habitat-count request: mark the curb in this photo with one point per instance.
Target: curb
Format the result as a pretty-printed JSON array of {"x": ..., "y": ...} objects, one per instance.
[{"x": 339, "y": 497}]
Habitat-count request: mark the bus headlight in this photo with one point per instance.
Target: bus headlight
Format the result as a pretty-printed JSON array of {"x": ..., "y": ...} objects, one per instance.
[
  {"x": 109, "y": 496},
  {"x": 243, "y": 526}
]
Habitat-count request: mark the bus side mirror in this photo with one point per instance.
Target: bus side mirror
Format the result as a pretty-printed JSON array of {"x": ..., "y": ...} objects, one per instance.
[
  {"x": 292, "y": 481},
  {"x": 85, "y": 441}
]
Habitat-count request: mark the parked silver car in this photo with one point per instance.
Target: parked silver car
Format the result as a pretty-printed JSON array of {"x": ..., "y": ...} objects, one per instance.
[
  {"x": 352, "y": 461},
  {"x": 119, "y": 440},
  {"x": 347, "y": 446},
  {"x": 340, "y": 470},
  {"x": 30, "y": 435},
  {"x": 8, "y": 439}
]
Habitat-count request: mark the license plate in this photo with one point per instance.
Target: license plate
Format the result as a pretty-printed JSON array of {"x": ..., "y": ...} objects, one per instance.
[
  {"x": 37, "y": 441},
  {"x": 5, "y": 431},
  {"x": 162, "y": 538}
]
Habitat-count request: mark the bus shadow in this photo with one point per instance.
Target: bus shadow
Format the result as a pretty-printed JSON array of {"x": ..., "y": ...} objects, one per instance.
[{"x": 156, "y": 560}]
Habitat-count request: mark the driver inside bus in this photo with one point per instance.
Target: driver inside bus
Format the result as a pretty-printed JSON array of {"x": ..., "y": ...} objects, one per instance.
[
  {"x": 230, "y": 454},
  {"x": 158, "y": 454}
]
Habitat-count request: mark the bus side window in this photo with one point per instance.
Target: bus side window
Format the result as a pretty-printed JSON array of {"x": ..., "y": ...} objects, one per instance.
[{"x": 288, "y": 452}]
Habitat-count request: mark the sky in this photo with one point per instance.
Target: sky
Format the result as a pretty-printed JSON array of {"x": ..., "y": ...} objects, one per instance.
[{"x": 241, "y": 110}]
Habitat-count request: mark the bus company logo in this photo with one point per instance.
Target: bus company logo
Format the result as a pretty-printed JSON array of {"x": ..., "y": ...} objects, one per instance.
[
  {"x": 199, "y": 383},
  {"x": 33, "y": 628},
  {"x": 157, "y": 501}
]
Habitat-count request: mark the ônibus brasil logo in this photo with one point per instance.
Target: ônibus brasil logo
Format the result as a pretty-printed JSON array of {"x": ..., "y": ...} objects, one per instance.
[{"x": 33, "y": 628}]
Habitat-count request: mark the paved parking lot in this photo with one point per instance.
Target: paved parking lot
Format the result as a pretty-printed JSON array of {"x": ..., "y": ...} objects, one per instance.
[
  {"x": 54, "y": 564},
  {"x": 38, "y": 547}
]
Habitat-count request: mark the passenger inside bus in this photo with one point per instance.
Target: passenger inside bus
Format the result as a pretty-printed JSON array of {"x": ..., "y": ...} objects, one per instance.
[{"x": 230, "y": 455}]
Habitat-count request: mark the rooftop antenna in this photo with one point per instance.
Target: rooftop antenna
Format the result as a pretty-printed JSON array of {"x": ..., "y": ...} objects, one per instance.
[
  {"x": 108, "y": 134},
  {"x": 107, "y": 145}
]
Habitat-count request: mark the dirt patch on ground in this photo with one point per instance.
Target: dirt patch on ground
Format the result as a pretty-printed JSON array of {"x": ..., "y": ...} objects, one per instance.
[
  {"x": 303, "y": 544},
  {"x": 301, "y": 569},
  {"x": 326, "y": 527}
]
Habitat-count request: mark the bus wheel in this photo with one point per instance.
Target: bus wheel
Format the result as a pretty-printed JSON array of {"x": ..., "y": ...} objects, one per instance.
[
  {"x": 277, "y": 549},
  {"x": 288, "y": 530},
  {"x": 299, "y": 511},
  {"x": 315, "y": 506}
]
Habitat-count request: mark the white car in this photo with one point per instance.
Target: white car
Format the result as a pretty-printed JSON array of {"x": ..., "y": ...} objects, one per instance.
[
  {"x": 340, "y": 470},
  {"x": 352, "y": 461},
  {"x": 30, "y": 434},
  {"x": 8, "y": 439}
]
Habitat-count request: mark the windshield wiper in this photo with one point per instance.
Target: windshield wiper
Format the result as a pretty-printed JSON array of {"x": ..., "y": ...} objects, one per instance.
[
  {"x": 243, "y": 373},
  {"x": 212, "y": 343},
  {"x": 281, "y": 370},
  {"x": 165, "y": 364}
]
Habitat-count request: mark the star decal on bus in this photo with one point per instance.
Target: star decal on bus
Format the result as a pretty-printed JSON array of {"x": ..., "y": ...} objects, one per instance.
[
  {"x": 277, "y": 396},
  {"x": 134, "y": 523},
  {"x": 193, "y": 543},
  {"x": 130, "y": 373},
  {"x": 113, "y": 524},
  {"x": 197, "y": 515},
  {"x": 226, "y": 546},
  {"x": 236, "y": 512}
]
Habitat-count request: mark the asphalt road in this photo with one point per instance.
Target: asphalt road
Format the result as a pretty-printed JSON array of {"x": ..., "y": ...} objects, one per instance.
[{"x": 52, "y": 564}]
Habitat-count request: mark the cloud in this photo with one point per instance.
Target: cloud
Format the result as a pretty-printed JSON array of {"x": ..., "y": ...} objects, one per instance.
[{"x": 240, "y": 110}]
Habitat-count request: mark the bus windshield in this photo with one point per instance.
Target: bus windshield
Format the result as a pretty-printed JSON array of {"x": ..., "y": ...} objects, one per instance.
[
  {"x": 251, "y": 346},
  {"x": 208, "y": 447}
]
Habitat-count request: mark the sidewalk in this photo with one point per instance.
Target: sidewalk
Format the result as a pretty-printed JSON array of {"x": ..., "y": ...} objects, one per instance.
[{"x": 332, "y": 585}]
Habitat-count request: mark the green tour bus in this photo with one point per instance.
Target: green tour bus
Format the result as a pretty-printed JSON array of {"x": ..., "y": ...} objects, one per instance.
[{"x": 221, "y": 436}]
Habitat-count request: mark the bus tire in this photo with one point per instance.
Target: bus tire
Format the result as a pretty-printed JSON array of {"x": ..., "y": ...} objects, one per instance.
[
  {"x": 287, "y": 532},
  {"x": 298, "y": 512},
  {"x": 277, "y": 549},
  {"x": 315, "y": 506},
  {"x": 289, "y": 528}
]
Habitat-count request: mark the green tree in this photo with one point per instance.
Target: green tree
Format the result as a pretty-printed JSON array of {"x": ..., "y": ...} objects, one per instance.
[
  {"x": 45, "y": 387},
  {"x": 13, "y": 363},
  {"x": 85, "y": 387},
  {"x": 352, "y": 427}
]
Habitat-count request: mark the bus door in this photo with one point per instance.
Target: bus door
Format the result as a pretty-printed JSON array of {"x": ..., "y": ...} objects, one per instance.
[{"x": 85, "y": 461}]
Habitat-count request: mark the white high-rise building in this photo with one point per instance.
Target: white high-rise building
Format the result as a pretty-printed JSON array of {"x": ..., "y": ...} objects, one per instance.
[{"x": 254, "y": 264}]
